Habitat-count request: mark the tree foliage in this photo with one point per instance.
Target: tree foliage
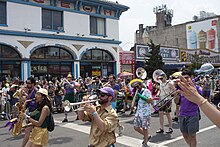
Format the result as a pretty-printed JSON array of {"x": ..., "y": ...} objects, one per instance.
[{"x": 153, "y": 60}]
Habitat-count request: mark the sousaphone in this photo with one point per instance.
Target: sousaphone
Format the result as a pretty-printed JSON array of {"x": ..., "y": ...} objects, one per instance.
[
  {"x": 141, "y": 73},
  {"x": 156, "y": 74}
]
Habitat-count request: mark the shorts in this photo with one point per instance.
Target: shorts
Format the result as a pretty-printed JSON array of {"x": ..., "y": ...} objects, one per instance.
[
  {"x": 167, "y": 107},
  {"x": 189, "y": 124},
  {"x": 142, "y": 122}
]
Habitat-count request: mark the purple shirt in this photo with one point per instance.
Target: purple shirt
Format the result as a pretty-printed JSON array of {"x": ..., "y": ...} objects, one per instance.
[
  {"x": 32, "y": 105},
  {"x": 188, "y": 108},
  {"x": 69, "y": 87}
]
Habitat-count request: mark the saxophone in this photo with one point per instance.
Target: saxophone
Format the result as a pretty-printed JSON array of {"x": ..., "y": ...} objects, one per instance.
[{"x": 19, "y": 120}]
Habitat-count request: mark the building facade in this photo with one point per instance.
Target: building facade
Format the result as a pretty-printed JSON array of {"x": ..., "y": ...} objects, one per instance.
[
  {"x": 200, "y": 37},
  {"x": 47, "y": 38}
]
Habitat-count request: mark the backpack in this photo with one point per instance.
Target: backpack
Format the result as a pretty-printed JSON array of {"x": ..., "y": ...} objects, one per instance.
[{"x": 51, "y": 124}]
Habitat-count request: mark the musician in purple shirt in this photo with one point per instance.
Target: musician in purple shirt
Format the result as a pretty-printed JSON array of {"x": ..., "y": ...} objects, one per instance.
[
  {"x": 31, "y": 106},
  {"x": 189, "y": 115}
]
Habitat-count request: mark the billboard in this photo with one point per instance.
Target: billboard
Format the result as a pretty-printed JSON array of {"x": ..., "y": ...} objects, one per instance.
[
  {"x": 202, "y": 35},
  {"x": 167, "y": 53}
]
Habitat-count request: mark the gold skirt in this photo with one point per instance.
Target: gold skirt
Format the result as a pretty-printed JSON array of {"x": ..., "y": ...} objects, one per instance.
[{"x": 39, "y": 136}]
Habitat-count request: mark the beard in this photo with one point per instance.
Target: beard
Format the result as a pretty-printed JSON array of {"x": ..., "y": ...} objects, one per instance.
[{"x": 101, "y": 101}]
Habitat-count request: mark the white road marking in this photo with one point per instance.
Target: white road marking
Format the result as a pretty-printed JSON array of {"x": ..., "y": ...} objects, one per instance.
[
  {"x": 181, "y": 137},
  {"x": 125, "y": 140}
]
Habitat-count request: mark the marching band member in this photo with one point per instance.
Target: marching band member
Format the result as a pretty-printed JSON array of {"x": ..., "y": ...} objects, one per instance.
[
  {"x": 189, "y": 114},
  {"x": 31, "y": 91},
  {"x": 70, "y": 89},
  {"x": 143, "y": 113},
  {"x": 166, "y": 88},
  {"x": 39, "y": 119},
  {"x": 103, "y": 118}
]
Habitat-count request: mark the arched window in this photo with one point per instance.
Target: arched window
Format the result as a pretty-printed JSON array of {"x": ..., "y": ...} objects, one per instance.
[
  {"x": 97, "y": 54},
  {"x": 8, "y": 52},
  {"x": 54, "y": 62},
  {"x": 51, "y": 53},
  {"x": 10, "y": 65}
]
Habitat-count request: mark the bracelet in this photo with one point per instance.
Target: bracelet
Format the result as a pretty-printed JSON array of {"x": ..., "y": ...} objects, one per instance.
[
  {"x": 94, "y": 113},
  {"x": 203, "y": 102}
]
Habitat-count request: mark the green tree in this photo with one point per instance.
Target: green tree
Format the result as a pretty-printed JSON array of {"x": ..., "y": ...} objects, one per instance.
[
  {"x": 153, "y": 60},
  {"x": 196, "y": 62}
]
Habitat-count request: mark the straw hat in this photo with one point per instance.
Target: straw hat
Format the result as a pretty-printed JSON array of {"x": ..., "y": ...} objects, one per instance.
[{"x": 44, "y": 92}]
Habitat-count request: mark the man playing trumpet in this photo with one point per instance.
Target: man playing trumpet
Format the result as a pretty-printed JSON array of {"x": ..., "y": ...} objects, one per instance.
[
  {"x": 103, "y": 118},
  {"x": 70, "y": 90}
]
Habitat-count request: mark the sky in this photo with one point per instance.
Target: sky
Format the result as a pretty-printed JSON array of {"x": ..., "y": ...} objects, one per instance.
[{"x": 141, "y": 12}]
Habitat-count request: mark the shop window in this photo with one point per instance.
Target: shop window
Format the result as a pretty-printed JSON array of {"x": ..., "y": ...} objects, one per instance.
[
  {"x": 97, "y": 55},
  {"x": 2, "y": 13},
  {"x": 52, "y": 20},
  {"x": 64, "y": 54},
  {"x": 87, "y": 55},
  {"x": 51, "y": 53},
  {"x": 97, "y": 26},
  {"x": 107, "y": 56},
  {"x": 8, "y": 52}
]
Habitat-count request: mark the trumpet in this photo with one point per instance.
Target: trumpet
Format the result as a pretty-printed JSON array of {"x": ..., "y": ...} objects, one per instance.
[{"x": 67, "y": 105}]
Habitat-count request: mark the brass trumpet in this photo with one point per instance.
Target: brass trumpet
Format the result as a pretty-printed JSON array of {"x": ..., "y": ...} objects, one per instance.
[{"x": 67, "y": 105}]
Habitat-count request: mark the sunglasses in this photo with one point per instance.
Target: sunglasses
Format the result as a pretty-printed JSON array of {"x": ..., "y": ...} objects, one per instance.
[
  {"x": 28, "y": 83},
  {"x": 103, "y": 94},
  {"x": 186, "y": 77}
]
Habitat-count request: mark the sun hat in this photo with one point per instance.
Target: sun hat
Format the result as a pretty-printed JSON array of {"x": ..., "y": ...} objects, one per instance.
[{"x": 44, "y": 92}]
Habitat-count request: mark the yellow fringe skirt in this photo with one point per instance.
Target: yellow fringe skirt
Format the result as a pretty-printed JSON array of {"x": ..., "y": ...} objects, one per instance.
[{"x": 39, "y": 136}]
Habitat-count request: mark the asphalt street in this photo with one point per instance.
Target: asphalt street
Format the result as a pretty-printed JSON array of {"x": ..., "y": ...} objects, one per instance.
[{"x": 75, "y": 133}]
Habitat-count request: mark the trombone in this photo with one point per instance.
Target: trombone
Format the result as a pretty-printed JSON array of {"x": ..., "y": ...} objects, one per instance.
[{"x": 157, "y": 106}]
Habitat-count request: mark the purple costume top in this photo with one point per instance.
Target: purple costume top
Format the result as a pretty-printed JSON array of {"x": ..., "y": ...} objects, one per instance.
[
  {"x": 32, "y": 105},
  {"x": 69, "y": 87},
  {"x": 188, "y": 108}
]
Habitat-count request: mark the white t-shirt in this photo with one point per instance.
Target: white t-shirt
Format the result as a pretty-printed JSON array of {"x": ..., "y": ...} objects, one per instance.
[{"x": 165, "y": 90}]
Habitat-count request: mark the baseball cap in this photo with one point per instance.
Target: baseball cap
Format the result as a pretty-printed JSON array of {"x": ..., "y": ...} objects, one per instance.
[{"x": 108, "y": 90}]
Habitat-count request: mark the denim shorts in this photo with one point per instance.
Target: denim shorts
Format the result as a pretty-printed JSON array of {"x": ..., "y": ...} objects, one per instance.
[{"x": 189, "y": 124}]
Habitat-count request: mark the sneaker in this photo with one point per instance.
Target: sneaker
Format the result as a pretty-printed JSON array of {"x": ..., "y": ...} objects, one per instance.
[
  {"x": 65, "y": 120},
  {"x": 160, "y": 131},
  {"x": 149, "y": 137},
  {"x": 175, "y": 119},
  {"x": 144, "y": 145},
  {"x": 169, "y": 131}
]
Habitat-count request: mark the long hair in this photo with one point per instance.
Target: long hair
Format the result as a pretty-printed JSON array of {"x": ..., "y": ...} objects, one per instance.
[{"x": 43, "y": 103}]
